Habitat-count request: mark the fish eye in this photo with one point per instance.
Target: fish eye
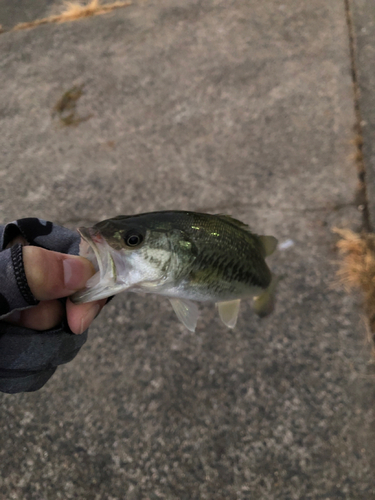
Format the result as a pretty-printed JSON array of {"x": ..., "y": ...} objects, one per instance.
[{"x": 133, "y": 238}]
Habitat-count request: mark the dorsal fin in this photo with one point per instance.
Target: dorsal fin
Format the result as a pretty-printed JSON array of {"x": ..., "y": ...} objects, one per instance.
[
  {"x": 233, "y": 221},
  {"x": 269, "y": 244}
]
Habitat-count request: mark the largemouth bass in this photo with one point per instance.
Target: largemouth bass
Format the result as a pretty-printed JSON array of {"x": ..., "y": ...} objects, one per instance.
[{"x": 185, "y": 256}]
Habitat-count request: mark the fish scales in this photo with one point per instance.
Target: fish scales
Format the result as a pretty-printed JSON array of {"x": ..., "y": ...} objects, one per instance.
[
  {"x": 220, "y": 256},
  {"x": 182, "y": 255}
]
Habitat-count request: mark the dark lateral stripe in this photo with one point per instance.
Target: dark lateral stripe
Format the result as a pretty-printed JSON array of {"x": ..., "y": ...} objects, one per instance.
[{"x": 232, "y": 271}]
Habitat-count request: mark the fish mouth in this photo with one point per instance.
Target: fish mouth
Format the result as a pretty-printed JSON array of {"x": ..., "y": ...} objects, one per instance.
[{"x": 103, "y": 283}]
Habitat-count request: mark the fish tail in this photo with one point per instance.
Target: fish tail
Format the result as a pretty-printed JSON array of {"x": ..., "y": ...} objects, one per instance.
[{"x": 265, "y": 302}]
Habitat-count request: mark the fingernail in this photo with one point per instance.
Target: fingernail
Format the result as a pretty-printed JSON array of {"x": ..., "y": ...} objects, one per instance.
[
  {"x": 74, "y": 274},
  {"x": 89, "y": 317}
]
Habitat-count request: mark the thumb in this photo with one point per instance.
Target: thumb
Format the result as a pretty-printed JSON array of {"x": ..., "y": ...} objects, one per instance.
[{"x": 51, "y": 275}]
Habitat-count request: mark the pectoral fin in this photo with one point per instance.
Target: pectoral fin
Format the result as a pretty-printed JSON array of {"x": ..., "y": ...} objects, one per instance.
[
  {"x": 265, "y": 302},
  {"x": 186, "y": 311},
  {"x": 228, "y": 312}
]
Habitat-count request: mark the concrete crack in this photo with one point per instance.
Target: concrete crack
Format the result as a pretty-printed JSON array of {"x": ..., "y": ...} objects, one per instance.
[{"x": 361, "y": 191}]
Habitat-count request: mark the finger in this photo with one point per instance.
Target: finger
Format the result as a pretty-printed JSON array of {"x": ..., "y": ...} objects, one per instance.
[
  {"x": 52, "y": 275},
  {"x": 80, "y": 316},
  {"x": 44, "y": 316}
]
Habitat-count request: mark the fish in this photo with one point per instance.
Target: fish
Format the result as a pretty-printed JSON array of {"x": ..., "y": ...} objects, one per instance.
[{"x": 185, "y": 256}]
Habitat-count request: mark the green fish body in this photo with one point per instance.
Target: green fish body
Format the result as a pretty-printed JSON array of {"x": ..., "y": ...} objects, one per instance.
[{"x": 185, "y": 256}]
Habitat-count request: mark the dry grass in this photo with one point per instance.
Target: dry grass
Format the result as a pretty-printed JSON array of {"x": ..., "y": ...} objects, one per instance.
[
  {"x": 358, "y": 267},
  {"x": 74, "y": 11}
]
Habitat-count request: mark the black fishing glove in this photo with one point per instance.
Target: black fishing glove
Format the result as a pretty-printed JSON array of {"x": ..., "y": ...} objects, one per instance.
[{"x": 28, "y": 358}]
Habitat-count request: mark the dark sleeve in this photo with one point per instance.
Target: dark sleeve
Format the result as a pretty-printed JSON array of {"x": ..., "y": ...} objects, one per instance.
[{"x": 29, "y": 358}]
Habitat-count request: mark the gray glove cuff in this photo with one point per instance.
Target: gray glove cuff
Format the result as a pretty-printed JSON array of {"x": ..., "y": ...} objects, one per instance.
[{"x": 16, "y": 294}]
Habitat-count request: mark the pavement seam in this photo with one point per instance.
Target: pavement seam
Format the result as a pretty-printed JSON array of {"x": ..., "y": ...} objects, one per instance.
[{"x": 361, "y": 191}]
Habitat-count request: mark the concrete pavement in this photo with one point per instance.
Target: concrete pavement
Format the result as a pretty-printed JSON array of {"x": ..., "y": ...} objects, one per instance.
[
  {"x": 23, "y": 11},
  {"x": 238, "y": 107}
]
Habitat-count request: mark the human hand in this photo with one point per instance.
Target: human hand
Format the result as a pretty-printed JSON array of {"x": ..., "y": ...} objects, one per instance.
[
  {"x": 50, "y": 276},
  {"x": 35, "y": 278}
]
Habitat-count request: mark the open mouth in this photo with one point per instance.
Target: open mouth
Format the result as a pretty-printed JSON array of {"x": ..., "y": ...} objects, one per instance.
[
  {"x": 94, "y": 248},
  {"x": 88, "y": 249}
]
